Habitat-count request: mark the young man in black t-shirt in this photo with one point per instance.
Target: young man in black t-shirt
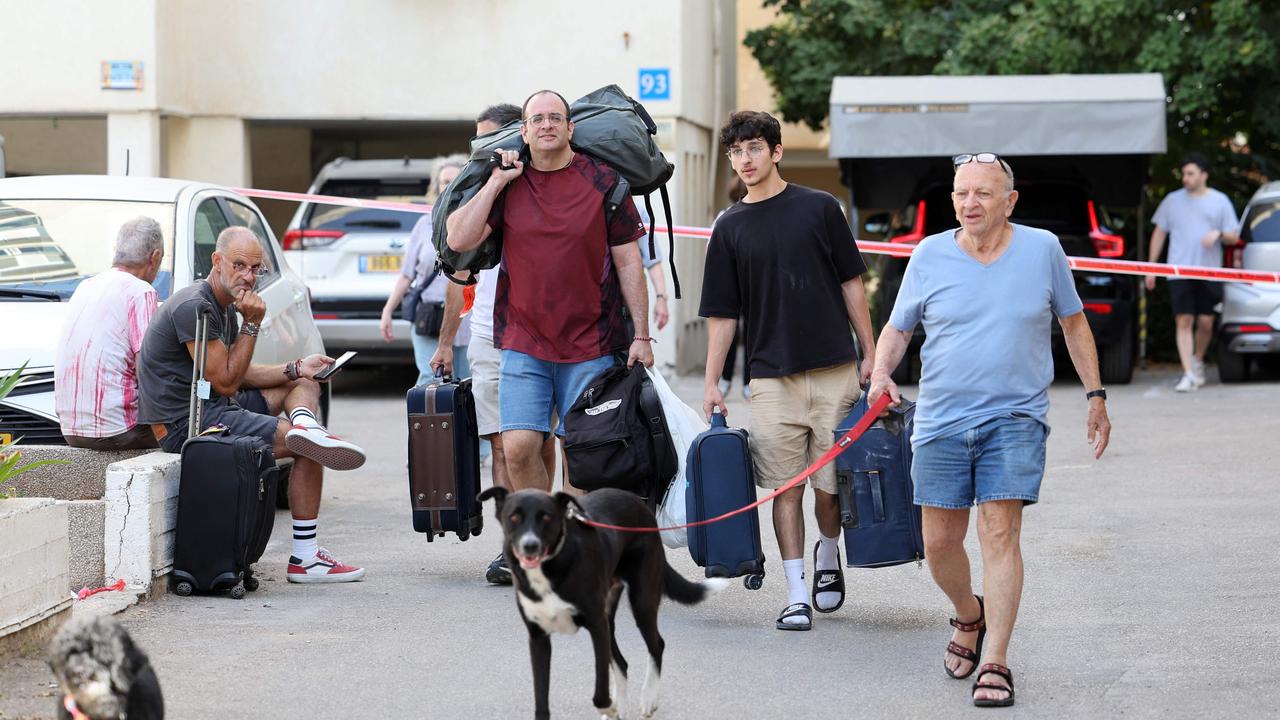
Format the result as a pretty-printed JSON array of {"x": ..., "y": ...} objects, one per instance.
[{"x": 785, "y": 260}]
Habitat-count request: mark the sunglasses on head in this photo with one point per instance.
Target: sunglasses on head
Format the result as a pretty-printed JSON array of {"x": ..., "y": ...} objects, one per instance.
[{"x": 985, "y": 158}]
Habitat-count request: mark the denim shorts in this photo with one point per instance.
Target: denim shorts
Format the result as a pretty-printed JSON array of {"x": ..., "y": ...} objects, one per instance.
[
  {"x": 1001, "y": 459},
  {"x": 533, "y": 388}
]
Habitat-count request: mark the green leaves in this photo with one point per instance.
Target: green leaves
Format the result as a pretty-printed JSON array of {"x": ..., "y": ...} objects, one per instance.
[{"x": 9, "y": 458}]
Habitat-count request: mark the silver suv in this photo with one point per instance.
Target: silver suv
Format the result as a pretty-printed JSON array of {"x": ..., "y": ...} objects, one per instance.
[
  {"x": 1251, "y": 313},
  {"x": 350, "y": 257}
]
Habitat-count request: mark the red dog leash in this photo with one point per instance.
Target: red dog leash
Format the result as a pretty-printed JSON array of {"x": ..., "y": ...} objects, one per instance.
[{"x": 849, "y": 438}]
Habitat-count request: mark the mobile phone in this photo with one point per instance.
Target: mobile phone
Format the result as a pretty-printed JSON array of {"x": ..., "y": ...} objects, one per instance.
[{"x": 336, "y": 366}]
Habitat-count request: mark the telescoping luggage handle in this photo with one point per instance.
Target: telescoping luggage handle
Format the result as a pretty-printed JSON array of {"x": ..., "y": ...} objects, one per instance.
[
  {"x": 849, "y": 438},
  {"x": 200, "y": 389}
]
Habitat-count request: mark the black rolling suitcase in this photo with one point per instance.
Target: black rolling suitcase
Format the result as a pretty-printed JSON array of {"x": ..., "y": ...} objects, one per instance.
[
  {"x": 444, "y": 459},
  {"x": 722, "y": 478},
  {"x": 226, "y": 500},
  {"x": 873, "y": 478}
]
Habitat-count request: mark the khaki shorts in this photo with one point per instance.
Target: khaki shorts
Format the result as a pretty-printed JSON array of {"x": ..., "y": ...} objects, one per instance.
[
  {"x": 485, "y": 361},
  {"x": 793, "y": 422}
]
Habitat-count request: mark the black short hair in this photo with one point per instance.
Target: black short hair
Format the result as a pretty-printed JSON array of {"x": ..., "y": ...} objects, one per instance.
[
  {"x": 749, "y": 125},
  {"x": 500, "y": 114},
  {"x": 525, "y": 105},
  {"x": 1197, "y": 159}
]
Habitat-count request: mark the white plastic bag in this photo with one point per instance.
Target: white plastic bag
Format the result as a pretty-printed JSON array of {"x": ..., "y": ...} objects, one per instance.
[{"x": 684, "y": 423}]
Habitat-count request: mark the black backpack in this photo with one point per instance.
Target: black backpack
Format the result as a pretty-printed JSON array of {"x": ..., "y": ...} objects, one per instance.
[
  {"x": 616, "y": 436},
  {"x": 610, "y": 127}
]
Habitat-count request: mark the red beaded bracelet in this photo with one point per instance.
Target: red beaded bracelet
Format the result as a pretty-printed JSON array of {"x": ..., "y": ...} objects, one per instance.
[{"x": 644, "y": 339}]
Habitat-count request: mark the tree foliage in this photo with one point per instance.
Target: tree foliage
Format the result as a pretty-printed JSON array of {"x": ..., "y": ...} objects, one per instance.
[{"x": 1218, "y": 59}]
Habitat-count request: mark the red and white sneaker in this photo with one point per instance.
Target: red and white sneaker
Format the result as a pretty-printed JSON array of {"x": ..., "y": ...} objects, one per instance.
[
  {"x": 323, "y": 568},
  {"x": 330, "y": 451}
]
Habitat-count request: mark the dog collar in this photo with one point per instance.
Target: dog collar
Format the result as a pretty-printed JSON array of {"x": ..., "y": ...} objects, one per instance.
[{"x": 69, "y": 704}]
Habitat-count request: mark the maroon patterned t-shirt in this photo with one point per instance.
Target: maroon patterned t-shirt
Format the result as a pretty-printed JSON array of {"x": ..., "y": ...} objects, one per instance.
[{"x": 558, "y": 297}]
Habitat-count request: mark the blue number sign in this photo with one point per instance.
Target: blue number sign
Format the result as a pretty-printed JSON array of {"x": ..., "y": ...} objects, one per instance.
[{"x": 655, "y": 83}]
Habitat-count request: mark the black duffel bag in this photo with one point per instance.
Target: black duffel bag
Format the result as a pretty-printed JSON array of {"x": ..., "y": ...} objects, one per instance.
[{"x": 616, "y": 436}]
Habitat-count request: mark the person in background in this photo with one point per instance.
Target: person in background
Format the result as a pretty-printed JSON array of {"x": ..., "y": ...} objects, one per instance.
[
  {"x": 735, "y": 191},
  {"x": 418, "y": 271},
  {"x": 95, "y": 370}
]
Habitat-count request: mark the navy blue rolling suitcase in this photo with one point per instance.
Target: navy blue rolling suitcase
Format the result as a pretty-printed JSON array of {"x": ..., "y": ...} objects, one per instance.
[
  {"x": 873, "y": 477},
  {"x": 444, "y": 459},
  {"x": 722, "y": 478}
]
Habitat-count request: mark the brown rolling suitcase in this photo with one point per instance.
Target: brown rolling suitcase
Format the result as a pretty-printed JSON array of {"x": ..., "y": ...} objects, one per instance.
[{"x": 444, "y": 459}]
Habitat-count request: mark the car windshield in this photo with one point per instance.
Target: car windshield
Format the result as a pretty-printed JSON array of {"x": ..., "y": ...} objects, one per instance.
[
  {"x": 48, "y": 246},
  {"x": 1264, "y": 223},
  {"x": 355, "y": 220}
]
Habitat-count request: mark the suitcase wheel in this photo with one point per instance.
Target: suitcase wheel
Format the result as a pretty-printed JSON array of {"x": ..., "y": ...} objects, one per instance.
[
  {"x": 237, "y": 591},
  {"x": 184, "y": 588},
  {"x": 753, "y": 582},
  {"x": 464, "y": 535},
  {"x": 251, "y": 583}
]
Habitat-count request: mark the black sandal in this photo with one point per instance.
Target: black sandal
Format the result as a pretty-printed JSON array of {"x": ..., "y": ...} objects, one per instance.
[
  {"x": 962, "y": 652},
  {"x": 827, "y": 581},
  {"x": 796, "y": 610},
  {"x": 1000, "y": 671}
]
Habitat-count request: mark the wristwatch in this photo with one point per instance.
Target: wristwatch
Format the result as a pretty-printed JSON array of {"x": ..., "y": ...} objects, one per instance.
[{"x": 1099, "y": 393}]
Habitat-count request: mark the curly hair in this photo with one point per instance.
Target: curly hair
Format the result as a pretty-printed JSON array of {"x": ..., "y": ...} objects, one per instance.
[{"x": 750, "y": 125}]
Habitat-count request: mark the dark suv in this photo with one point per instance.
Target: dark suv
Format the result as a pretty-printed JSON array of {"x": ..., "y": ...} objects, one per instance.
[{"x": 1066, "y": 210}]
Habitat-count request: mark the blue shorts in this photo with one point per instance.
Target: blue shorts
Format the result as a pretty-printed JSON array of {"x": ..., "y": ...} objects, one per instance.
[
  {"x": 1001, "y": 459},
  {"x": 533, "y": 388},
  {"x": 246, "y": 413}
]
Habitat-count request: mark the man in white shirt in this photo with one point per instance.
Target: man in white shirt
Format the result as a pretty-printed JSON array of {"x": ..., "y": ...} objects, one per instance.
[{"x": 95, "y": 369}]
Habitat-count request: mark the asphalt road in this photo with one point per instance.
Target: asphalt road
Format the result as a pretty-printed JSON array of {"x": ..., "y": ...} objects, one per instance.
[{"x": 1151, "y": 591}]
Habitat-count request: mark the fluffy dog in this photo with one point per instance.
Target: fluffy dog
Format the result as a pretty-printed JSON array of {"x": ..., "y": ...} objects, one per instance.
[
  {"x": 103, "y": 673},
  {"x": 569, "y": 575}
]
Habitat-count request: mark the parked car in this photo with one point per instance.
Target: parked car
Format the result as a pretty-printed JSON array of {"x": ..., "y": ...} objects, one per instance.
[
  {"x": 1065, "y": 209},
  {"x": 1250, "y": 327},
  {"x": 350, "y": 257},
  {"x": 58, "y": 230}
]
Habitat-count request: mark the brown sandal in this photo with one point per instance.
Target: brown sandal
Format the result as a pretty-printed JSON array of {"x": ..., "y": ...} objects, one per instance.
[
  {"x": 998, "y": 670},
  {"x": 962, "y": 652}
]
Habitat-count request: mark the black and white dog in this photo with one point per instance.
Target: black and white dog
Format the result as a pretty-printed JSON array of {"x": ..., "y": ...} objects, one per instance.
[
  {"x": 569, "y": 575},
  {"x": 103, "y": 673}
]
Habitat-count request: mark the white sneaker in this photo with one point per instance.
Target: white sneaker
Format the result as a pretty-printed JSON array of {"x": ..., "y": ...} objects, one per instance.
[
  {"x": 724, "y": 386},
  {"x": 1197, "y": 373},
  {"x": 1186, "y": 384},
  {"x": 330, "y": 451}
]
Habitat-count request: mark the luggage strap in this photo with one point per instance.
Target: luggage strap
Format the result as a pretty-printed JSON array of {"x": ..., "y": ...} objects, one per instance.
[{"x": 849, "y": 438}]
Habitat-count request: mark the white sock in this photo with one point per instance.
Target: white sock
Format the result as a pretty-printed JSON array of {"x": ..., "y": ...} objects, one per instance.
[
  {"x": 828, "y": 553},
  {"x": 304, "y": 417},
  {"x": 827, "y": 559},
  {"x": 796, "y": 590},
  {"x": 304, "y": 538}
]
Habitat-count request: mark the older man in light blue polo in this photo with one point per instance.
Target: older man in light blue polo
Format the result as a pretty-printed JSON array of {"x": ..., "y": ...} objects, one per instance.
[{"x": 986, "y": 294}]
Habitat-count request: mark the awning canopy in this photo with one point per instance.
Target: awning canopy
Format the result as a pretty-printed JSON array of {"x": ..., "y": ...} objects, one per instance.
[
  {"x": 893, "y": 133},
  {"x": 934, "y": 115}
]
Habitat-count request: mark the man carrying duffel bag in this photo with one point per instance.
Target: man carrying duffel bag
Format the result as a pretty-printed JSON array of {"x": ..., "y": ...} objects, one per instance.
[{"x": 784, "y": 259}]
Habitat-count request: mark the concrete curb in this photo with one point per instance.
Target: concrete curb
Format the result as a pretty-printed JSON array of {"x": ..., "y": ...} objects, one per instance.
[{"x": 141, "y": 499}]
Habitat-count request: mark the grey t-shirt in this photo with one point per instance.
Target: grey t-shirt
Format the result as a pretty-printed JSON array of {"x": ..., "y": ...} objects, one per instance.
[
  {"x": 987, "y": 329},
  {"x": 164, "y": 365},
  {"x": 1187, "y": 219}
]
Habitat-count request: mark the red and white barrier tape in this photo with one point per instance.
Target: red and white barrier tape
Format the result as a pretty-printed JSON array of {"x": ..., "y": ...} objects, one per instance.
[{"x": 1119, "y": 267}]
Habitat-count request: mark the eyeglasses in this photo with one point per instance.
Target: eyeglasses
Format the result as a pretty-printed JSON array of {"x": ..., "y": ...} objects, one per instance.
[
  {"x": 985, "y": 158},
  {"x": 240, "y": 268},
  {"x": 535, "y": 120},
  {"x": 755, "y": 150}
]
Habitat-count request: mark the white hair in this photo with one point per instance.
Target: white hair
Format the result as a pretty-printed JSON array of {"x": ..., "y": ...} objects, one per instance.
[{"x": 136, "y": 240}]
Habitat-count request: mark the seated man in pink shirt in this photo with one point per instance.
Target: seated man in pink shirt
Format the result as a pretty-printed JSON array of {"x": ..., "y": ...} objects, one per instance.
[{"x": 95, "y": 369}]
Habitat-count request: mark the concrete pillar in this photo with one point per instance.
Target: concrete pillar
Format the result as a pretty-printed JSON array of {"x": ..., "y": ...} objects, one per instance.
[
  {"x": 209, "y": 149},
  {"x": 133, "y": 143}
]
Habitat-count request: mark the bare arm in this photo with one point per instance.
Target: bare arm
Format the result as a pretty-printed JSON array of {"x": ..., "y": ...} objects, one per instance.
[
  {"x": 889, "y": 352},
  {"x": 719, "y": 337},
  {"x": 855, "y": 303},
  {"x": 442, "y": 360},
  {"x": 227, "y": 371},
  {"x": 1153, "y": 253},
  {"x": 659, "y": 281},
  {"x": 626, "y": 258},
  {"x": 1084, "y": 356},
  {"x": 468, "y": 225},
  {"x": 397, "y": 294}
]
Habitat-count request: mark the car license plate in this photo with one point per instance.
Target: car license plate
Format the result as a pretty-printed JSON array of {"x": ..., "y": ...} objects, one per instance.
[{"x": 379, "y": 263}]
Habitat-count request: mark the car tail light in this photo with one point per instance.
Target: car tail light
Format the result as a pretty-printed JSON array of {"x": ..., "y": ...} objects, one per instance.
[
  {"x": 325, "y": 316},
  {"x": 307, "y": 239},
  {"x": 1254, "y": 328},
  {"x": 917, "y": 229},
  {"x": 1099, "y": 308},
  {"x": 1107, "y": 244}
]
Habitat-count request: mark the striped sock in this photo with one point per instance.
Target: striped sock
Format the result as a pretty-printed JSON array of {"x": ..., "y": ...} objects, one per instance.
[
  {"x": 303, "y": 417},
  {"x": 304, "y": 538}
]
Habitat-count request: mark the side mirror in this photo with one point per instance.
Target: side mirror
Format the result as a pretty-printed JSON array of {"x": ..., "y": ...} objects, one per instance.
[{"x": 877, "y": 224}]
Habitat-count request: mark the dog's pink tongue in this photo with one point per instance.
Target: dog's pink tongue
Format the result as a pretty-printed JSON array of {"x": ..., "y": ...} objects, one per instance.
[{"x": 529, "y": 563}]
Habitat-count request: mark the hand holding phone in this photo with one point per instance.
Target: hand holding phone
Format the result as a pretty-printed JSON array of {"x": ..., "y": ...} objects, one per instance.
[{"x": 330, "y": 371}]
